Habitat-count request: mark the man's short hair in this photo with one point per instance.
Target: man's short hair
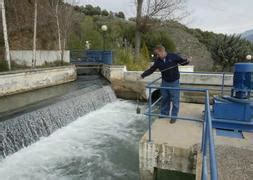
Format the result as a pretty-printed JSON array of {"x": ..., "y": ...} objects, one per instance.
[{"x": 159, "y": 48}]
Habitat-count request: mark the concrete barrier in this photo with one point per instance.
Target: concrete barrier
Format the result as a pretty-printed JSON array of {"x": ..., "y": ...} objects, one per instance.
[
  {"x": 26, "y": 80},
  {"x": 113, "y": 72},
  {"x": 127, "y": 86},
  {"x": 25, "y": 57}
]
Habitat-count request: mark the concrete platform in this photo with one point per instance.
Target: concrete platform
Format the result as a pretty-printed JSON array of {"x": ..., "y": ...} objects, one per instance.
[{"x": 177, "y": 147}]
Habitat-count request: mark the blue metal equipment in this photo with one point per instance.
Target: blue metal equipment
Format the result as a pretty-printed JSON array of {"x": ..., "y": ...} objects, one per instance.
[
  {"x": 236, "y": 111},
  {"x": 91, "y": 57}
]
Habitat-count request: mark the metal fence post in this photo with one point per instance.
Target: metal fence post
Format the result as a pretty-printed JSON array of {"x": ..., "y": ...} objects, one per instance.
[
  {"x": 149, "y": 115},
  {"x": 204, "y": 142},
  {"x": 213, "y": 164},
  {"x": 222, "y": 85}
]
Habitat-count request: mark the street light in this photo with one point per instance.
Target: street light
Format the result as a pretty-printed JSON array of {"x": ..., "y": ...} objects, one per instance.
[
  {"x": 87, "y": 45},
  {"x": 104, "y": 29},
  {"x": 248, "y": 57}
]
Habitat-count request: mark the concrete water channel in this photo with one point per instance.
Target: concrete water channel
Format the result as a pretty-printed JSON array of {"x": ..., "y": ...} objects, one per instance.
[
  {"x": 80, "y": 130},
  {"x": 100, "y": 144}
]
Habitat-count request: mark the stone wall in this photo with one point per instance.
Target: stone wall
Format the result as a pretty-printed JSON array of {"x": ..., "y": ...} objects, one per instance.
[{"x": 26, "y": 80}]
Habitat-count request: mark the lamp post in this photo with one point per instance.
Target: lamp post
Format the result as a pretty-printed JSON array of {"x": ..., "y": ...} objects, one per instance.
[
  {"x": 104, "y": 29},
  {"x": 249, "y": 57},
  {"x": 87, "y": 45}
]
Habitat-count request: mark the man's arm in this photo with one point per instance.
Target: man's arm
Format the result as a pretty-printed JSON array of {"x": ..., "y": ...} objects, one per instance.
[
  {"x": 150, "y": 70},
  {"x": 182, "y": 61}
]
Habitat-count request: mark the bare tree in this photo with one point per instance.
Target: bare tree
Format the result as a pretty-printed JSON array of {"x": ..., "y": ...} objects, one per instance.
[
  {"x": 55, "y": 11},
  {"x": 148, "y": 10},
  {"x": 139, "y": 4},
  {"x": 5, "y": 31},
  {"x": 35, "y": 33},
  {"x": 63, "y": 13},
  {"x": 66, "y": 22}
]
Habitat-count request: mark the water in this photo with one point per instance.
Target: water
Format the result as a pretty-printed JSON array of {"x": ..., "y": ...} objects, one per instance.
[
  {"x": 13, "y": 104},
  {"x": 27, "y": 128},
  {"x": 102, "y": 145}
]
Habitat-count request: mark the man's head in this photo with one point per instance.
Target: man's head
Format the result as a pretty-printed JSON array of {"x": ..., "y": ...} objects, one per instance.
[{"x": 160, "y": 51}]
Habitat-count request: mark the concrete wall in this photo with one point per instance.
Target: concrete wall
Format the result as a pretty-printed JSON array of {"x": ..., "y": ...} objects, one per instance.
[
  {"x": 126, "y": 85},
  {"x": 189, "y": 68},
  {"x": 25, "y": 57},
  {"x": 26, "y": 80},
  {"x": 113, "y": 72},
  {"x": 186, "y": 78}
]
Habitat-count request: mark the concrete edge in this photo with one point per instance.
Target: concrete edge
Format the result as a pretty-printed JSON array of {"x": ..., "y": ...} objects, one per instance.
[{"x": 35, "y": 70}]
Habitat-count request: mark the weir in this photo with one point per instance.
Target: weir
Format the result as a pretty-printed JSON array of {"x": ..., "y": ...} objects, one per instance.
[
  {"x": 28, "y": 125},
  {"x": 103, "y": 147}
]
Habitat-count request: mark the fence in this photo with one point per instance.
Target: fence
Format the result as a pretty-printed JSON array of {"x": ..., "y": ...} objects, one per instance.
[{"x": 207, "y": 144}]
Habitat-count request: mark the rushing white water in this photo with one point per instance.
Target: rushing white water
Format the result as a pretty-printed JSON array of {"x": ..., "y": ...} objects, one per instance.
[{"x": 102, "y": 145}]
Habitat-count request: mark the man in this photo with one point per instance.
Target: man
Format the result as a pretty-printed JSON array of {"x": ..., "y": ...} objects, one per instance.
[{"x": 167, "y": 63}]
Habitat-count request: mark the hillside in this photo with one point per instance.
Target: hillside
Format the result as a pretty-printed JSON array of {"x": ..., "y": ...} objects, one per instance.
[
  {"x": 121, "y": 33},
  {"x": 20, "y": 24},
  {"x": 248, "y": 35},
  {"x": 188, "y": 44}
]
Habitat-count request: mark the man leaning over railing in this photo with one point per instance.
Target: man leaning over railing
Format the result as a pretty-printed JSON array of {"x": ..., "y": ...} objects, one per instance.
[{"x": 167, "y": 63}]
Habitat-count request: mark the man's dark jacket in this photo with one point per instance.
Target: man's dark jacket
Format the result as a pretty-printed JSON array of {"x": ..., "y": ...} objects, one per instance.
[{"x": 168, "y": 67}]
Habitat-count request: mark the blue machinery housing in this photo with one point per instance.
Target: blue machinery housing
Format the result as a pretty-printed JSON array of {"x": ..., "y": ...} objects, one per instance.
[
  {"x": 229, "y": 112},
  {"x": 235, "y": 112},
  {"x": 91, "y": 57}
]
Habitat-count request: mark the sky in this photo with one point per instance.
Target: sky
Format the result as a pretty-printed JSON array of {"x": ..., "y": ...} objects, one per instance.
[{"x": 220, "y": 16}]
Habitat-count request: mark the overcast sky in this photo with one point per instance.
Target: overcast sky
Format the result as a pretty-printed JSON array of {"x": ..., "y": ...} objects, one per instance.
[{"x": 224, "y": 16}]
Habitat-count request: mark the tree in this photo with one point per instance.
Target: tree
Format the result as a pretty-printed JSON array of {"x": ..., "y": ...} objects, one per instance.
[
  {"x": 159, "y": 37},
  {"x": 120, "y": 15},
  {"x": 5, "y": 31},
  {"x": 155, "y": 9},
  {"x": 86, "y": 30},
  {"x": 55, "y": 9},
  {"x": 105, "y": 13},
  {"x": 35, "y": 33},
  {"x": 63, "y": 13},
  {"x": 91, "y": 11},
  {"x": 228, "y": 50}
]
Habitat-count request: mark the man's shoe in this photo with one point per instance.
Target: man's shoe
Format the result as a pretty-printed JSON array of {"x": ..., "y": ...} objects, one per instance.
[{"x": 173, "y": 120}]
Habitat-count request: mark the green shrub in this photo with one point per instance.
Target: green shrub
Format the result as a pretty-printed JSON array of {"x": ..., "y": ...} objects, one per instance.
[
  {"x": 126, "y": 57},
  {"x": 152, "y": 39}
]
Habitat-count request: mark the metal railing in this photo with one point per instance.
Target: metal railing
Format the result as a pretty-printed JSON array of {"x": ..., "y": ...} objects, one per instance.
[
  {"x": 212, "y": 73},
  {"x": 207, "y": 144}
]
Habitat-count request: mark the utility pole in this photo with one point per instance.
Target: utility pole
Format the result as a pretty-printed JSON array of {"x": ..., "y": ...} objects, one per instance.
[{"x": 5, "y": 31}]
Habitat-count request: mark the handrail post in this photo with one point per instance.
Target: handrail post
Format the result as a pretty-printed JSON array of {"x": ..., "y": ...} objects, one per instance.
[
  {"x": 213, "y": 164},
  {"x": 204, "y": 131},
  {"x": 149, "y": 115},
  {"x": 204, "y": 143},
  {"x": 222, "y": 85}
]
